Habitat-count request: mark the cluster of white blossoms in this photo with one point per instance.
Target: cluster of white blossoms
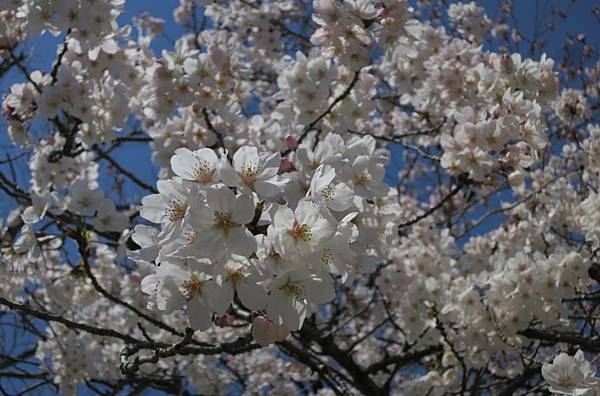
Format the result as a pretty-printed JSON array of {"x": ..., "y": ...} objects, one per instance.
[
  {"x": 12, "y": 30},
  {"x": 571, "y": 375},
  {"x": 590, "y": 218},
  {"x": 245, "y": 226},
  {"x": 470, "y": 20},
  {"x": 91, "y": 24},
  {"x": 275, "y": 254},
  {"x": 571, "y": 107},
  {"x": 489, "y": 108},
  {"x": 342, "y": 30}
]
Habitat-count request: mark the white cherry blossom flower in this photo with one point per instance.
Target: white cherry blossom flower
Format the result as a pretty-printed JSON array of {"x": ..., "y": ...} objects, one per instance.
[
  {"x": 147, "y": 238},
  {"x": 168, "y": 207},
  {"x": 237, "y": 276},
  {"x": 291, "y": 293},
  {"x": 253, "y": 171},
  {"x": 336, "y": 196},
  {"x": 571, "y": 375},
  {"x": 83, "y": 200},
  {"x": 219, "y": 223},
  {"x": 301, "y": 231},
  {"x": 200, "y": 166},
  {"x": 109, "y": 218},
  {"x": 366, "y": 175}
]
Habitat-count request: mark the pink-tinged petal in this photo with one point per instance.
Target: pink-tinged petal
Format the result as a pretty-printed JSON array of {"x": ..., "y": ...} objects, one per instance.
[
  {"x": 291, "y": 141},
  {"x": 224, "y": 320},
  {"x": 281, "y": 332},
  {"x": 263, "y": 331},
  {"x": 285, "y": 166}
]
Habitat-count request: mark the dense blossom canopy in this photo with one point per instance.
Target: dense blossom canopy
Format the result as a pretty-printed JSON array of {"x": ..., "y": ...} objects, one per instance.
[{"x": 274, "y": 254}]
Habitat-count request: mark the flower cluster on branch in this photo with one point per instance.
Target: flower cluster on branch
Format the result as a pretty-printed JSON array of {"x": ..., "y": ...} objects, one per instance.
[{"x": 351, "y": 197}]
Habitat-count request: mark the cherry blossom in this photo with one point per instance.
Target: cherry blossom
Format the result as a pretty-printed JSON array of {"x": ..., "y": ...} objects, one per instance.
[{"x": 278, "y": 197}]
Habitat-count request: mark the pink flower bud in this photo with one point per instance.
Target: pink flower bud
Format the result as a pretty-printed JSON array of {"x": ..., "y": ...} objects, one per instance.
[
  {"x": 291, "y": 141},
  {"x": 285, "y": 166},
  {"x": 263, "y": 331},
  {"x": 281, "y": 332},
  {"x": 224, "y": 321}
]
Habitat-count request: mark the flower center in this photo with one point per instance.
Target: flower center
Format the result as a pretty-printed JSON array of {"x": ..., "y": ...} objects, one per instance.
[
  {"x": 175, "y": 211},
  {"x": 363, "y": 179},
  {"x": 248, "y": 173},
  {"x": 190, "y": 236},
  {"x": 301, "y": 232},
  {"x": 235, "y": 277},
  {"x": 203, "y": 172},
  {"x": 565, "y": 380},
  {"x": 275, "y": 255},
  {"x": 327, "y": 193},
  {"x": 105, "y": 220},
  {"x": 192, "y": 287},
  {"x": 84, "y": 201},
  {"x": 292, "y": 289},
  {"x": 223, "y": 221},
  {"x": 327, "y": 257}
]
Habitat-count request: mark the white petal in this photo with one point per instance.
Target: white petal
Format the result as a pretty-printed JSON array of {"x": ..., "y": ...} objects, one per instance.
[
  {"x": 343, "y": 197},
  {"x": 243, "y": 210},
  {"x": 221, "y": 199},
  {"x": 319, "y": 290},
  {"x": 252, "y": 296},
  {"x": 153, "y": 208},
  {"x": 284, "y": 218},
  {"x": 267, "y": 189},
  {"x": 241, "y": 241},
  {"x": 144, "y": 235},
  {"x": 199, "y": 315},
  {"x": 270, "y": 166},
  {"x": 245, "y": 156},
  {"x": 307, "y": 212},
  {"x": 183, "y": 163},
  {"x": 151, "y": 284},
  {"x": 220, "y": 297},
  {"x": 228, "y": 174}
]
